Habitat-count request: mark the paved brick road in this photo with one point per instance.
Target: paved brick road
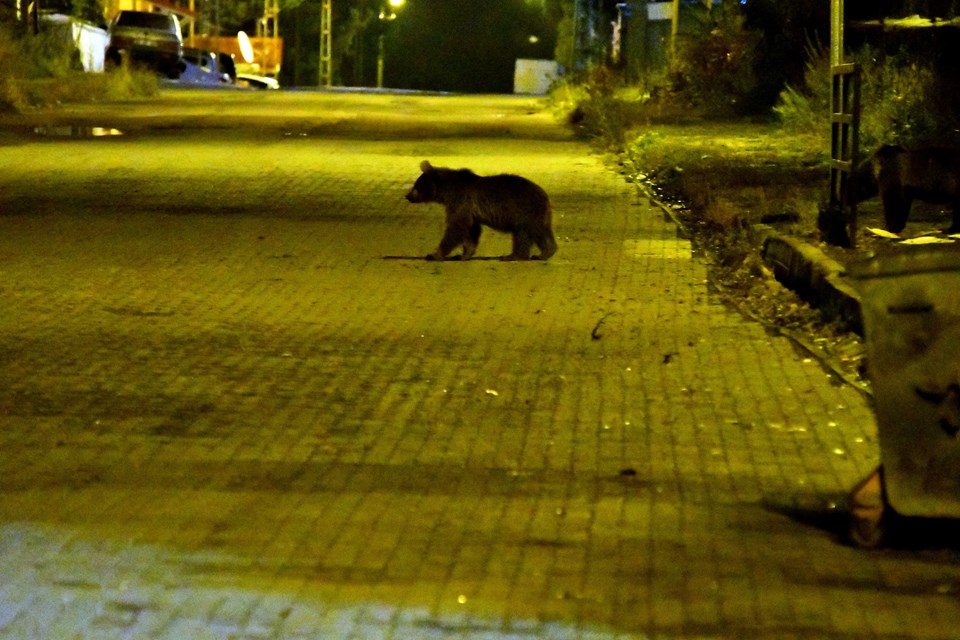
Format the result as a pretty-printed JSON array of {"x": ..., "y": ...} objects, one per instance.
[{"x": 224, "y": 414}]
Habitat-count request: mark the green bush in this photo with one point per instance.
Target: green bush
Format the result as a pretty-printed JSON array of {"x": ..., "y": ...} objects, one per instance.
[
  {"x": 903, "y": 104},
  {"x": 599, "y": 105},
  {"x": 11, "y": 95},
  {"x": 714, "y": 64},
  {"x": 808, "y": 108},
  {"x": 711, "y": 77},
  {"x": 44, "y": 70},
  {"x": 901, "y": 101},
  {"x": 49, "y": 54}
]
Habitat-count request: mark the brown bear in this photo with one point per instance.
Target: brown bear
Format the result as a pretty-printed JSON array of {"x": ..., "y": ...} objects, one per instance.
[
  {"x": 900, "y": 176},
  {"x": 502, "y": 202}
]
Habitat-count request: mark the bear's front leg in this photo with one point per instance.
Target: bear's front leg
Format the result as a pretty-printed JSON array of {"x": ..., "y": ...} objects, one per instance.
[
  {"x": 472, "y": 240},
  {"x": 454, "y": 236},
  {"x": 896, "y": 209}
]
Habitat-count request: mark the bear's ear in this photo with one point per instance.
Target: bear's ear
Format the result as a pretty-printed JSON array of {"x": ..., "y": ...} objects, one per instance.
[{"x": 425, "y": 166}]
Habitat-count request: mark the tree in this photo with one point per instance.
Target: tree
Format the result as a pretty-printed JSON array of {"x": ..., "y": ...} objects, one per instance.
[
  {"x": 785, "y": 29},
  {"x": 352, "y": 41},
  {"x": 300, "y": 29}
]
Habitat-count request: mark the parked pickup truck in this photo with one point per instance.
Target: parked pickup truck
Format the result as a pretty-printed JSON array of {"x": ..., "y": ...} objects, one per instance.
[{"x": 207, "y": 67}]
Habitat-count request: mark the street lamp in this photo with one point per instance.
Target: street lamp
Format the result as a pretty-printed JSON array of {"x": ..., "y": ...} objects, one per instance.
[{"x": 386, "y": 15}]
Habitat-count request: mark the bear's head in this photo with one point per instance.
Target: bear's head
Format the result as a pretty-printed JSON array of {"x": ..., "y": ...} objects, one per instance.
[{"x": 437, "y": 184}]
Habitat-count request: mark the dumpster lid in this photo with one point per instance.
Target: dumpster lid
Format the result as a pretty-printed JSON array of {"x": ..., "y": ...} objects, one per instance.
[{"x": 926, "y": 260}]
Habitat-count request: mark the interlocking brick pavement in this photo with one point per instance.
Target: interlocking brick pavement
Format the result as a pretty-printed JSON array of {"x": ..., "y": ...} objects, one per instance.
[{"x": 234, "y": 403}]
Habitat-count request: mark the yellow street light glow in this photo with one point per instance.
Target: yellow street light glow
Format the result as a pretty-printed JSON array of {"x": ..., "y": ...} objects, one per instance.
[{"x": 397, "y": 3}]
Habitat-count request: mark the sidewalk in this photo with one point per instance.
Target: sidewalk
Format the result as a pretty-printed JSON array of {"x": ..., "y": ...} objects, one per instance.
[{"x": 223, "y": 414}]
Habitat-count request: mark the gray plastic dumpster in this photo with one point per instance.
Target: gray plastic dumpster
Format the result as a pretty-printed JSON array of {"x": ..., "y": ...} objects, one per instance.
[{"x": 911, "y": 316}]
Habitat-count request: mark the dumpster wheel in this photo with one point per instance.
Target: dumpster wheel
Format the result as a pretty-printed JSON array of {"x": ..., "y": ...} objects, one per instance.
[{"x": 868, "y": 505}]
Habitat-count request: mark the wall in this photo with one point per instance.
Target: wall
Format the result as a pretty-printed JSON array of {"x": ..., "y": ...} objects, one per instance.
[
  {"x": 534, "y": 76},
  {"x": 90, "y": 41}
]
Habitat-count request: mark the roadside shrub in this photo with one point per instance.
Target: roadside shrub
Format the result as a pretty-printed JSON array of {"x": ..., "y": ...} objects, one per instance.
[
  {"x": 807, "y": 109},
  {"x": 714, "y": 64},
  {"x": 602, "y": 112},
  {"x": 44, "y": 70},
  {"x": 646, "y": 151},
  {"x": 85, "y": 88},
  {"x": 128, "y": 83},
  {"x": 11, "y": 96},
  {"x": 903, "y": 104},
  {"x": 600, "y": 106},
  {"x": 564, "y": 98},
  {"x": 711, "y": 77},
  {"x": 901, "y": 101},
  {"x": 49, "y": 54}
]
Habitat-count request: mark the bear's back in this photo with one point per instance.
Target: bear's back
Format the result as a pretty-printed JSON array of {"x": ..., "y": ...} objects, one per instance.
[{"x": 507, "y": 201}]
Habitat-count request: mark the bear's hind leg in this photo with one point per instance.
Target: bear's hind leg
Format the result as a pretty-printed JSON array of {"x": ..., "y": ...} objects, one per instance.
[
  {"x": 521, "y": 246},
  {"x": 955, "y": 225},
  {"x": 547, "y": 244}
]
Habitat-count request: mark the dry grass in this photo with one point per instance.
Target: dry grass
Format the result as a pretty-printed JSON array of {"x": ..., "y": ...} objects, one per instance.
[
  {"x": 80, "y": 88},
  {"x": 41, "y": 71},
  {"x": 734, "y": 174}
]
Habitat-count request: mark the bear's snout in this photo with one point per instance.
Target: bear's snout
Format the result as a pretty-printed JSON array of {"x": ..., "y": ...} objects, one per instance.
[{"x": 414, "y": 196}]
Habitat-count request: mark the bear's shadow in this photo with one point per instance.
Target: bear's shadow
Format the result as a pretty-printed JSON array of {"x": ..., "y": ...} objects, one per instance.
[{"x": 449, "y": 259}]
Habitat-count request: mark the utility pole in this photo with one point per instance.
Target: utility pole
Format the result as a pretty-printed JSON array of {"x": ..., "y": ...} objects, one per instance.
[
  {"x": 674, "y": 30},
  {"x": 268, "y": 32},
  {"x": 380, "y": 53},
  {"x": 326, "y": 44},
  {"x": 836, "y": 32},
  {"x": 387, "y": 16}
]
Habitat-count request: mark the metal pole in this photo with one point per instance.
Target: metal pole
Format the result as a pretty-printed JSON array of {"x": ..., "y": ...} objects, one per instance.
[
  {"x": 674, "y": 30},
  {"x": 387, "y": 16},
  {"x": 836, "y": 32},
  {"x": 326, "y": 45},
  {"x": 380, "y": 61}
]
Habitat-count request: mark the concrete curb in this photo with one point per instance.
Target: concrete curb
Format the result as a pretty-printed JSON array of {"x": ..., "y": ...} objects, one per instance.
[
  {"x": 810, "y": 273},
  {"x": 813, "y": 275}
]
